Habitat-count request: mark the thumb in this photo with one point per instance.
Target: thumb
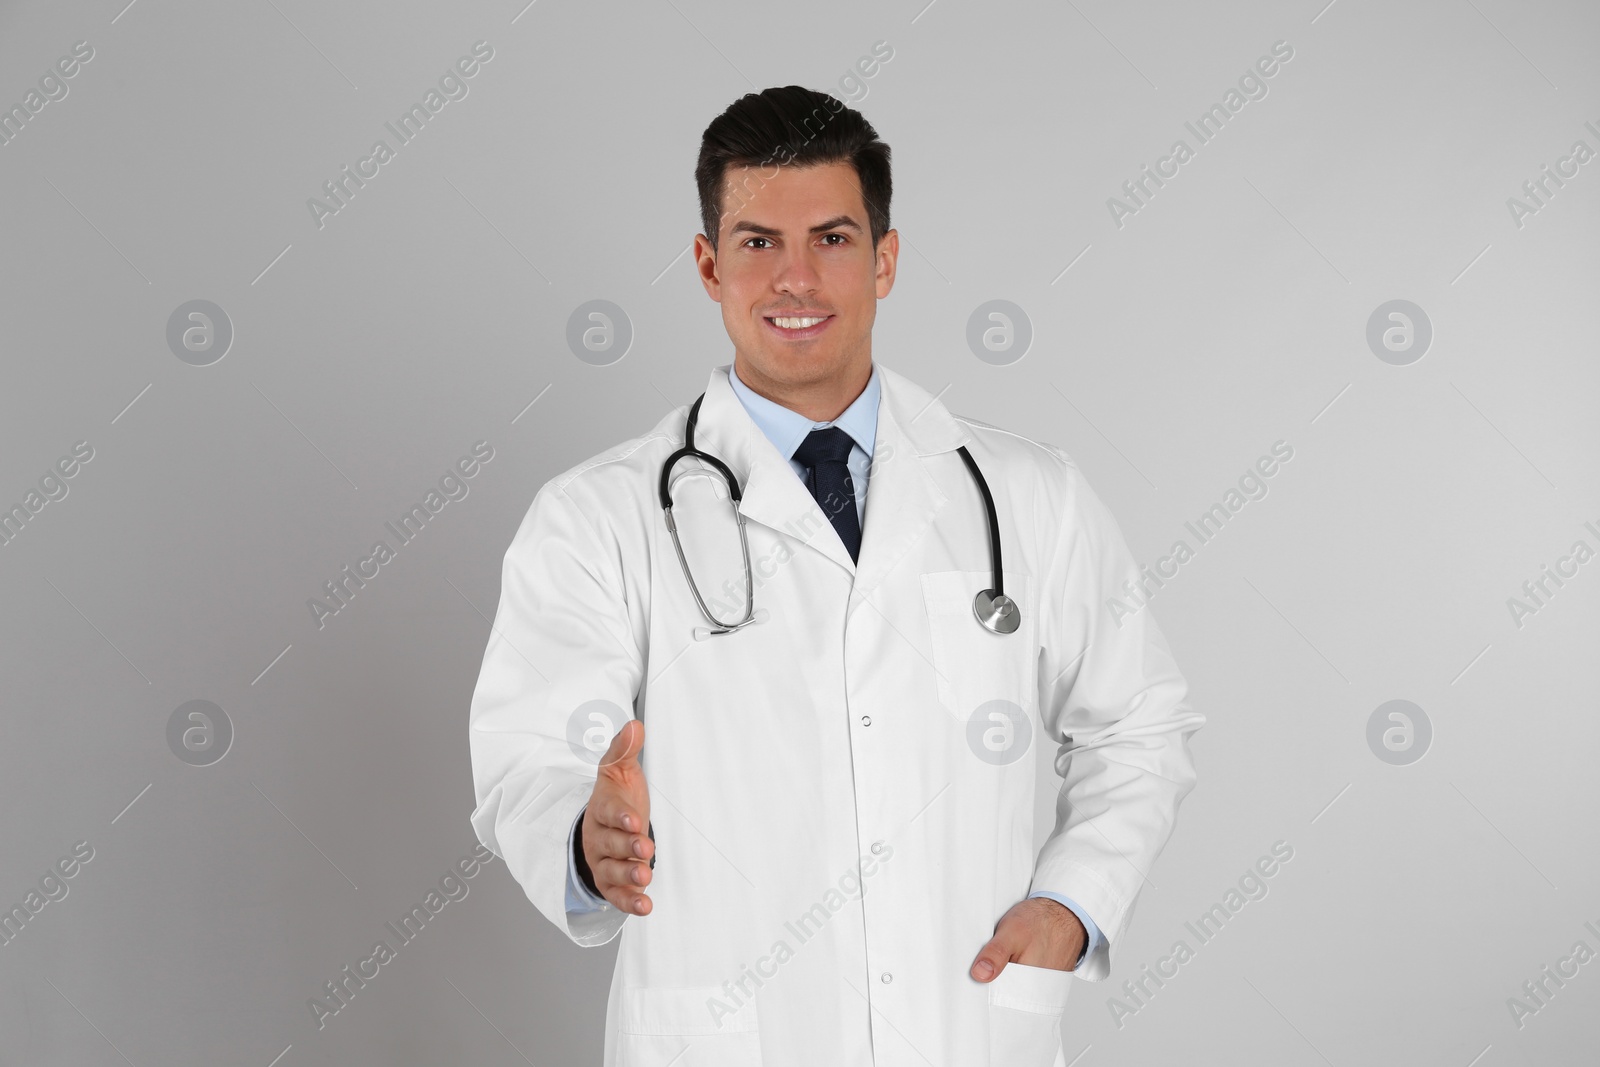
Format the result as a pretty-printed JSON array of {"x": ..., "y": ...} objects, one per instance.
[
  {"x": 992, "y": 958},
  {"x": 623, "y": 753}
]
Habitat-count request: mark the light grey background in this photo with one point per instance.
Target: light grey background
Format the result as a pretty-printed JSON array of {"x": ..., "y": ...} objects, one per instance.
[{"x": 369, "y": 355}]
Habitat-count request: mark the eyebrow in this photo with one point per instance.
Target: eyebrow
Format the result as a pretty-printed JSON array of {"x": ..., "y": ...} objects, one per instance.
[{"x": 838, "y": 222}]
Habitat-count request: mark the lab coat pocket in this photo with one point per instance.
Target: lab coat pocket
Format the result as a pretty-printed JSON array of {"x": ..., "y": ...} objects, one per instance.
[
  {"x": 1025, "y": 1006},
  {"x": 973, "y": 665},
  {"x": 689, "y": 1025}
]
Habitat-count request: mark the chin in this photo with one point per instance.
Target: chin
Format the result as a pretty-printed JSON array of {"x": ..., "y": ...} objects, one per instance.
[{"x": 803, "y": 366}]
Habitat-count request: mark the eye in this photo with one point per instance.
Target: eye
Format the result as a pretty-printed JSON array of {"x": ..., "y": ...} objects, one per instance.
[
  {"x": 842, "y": 238},
  {"x": 747, "y": 242}
]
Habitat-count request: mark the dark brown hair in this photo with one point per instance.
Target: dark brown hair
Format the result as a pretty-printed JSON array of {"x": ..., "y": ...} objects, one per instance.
[{"x": 792, "y": 127}]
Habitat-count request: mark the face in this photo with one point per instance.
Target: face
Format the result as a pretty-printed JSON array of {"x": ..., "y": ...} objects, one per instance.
[{"x": 797, "y": 246}]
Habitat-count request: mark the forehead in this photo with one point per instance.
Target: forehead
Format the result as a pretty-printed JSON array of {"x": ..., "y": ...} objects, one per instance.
[{"x": 796, "y": 196}]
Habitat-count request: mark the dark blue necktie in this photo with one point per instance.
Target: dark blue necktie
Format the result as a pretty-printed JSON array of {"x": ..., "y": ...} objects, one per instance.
[{"x": 823, "y": 453}]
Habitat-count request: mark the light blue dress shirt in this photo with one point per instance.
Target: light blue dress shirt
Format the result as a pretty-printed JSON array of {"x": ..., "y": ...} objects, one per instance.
[{"x": 786, "y": 429}]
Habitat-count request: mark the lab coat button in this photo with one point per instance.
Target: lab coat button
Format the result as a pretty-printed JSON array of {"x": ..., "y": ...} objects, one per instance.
[
  {"x": 866, "y": 720},
  {"x": 887, "y": 977},
  {"x": 877, "y": 846}
]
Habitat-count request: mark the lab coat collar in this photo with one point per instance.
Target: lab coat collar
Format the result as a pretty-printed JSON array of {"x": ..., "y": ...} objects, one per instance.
[{"x": 902, "y": 496}]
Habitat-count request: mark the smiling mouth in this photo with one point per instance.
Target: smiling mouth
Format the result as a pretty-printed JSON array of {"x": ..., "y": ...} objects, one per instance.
[{"x": 798, "y": 326}]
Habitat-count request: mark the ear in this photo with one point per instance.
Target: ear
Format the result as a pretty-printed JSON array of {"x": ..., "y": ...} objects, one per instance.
[
  {"x": 887, "y": 258},
  {"x": 705, "y": 262}
]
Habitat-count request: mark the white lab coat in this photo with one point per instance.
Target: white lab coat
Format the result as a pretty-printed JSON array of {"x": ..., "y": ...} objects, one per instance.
[{"x": 849, "y": 741}]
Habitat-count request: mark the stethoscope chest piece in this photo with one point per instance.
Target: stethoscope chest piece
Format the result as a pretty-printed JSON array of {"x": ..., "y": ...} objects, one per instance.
[{"x": 997, "y": 612}]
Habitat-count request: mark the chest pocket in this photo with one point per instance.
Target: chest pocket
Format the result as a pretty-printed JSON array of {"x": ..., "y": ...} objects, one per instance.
[{"x": 974, "y": 666}]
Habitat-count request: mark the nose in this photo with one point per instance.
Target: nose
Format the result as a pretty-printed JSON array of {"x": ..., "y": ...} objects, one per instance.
[{"x": 797, "y": 274}]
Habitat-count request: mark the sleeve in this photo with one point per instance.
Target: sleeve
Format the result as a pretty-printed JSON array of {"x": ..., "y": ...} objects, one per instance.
[
  {"x": 1092, "y": 941},
  {"x": 1116, "y": 706},
  {"x": 560, "y": 675}
]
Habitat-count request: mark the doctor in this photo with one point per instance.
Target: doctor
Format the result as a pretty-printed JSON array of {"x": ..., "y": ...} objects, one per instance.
[{"x": 824, "y": 852}]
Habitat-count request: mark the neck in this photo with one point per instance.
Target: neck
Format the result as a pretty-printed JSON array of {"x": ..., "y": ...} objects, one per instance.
[{"x": 820, "y": 400}]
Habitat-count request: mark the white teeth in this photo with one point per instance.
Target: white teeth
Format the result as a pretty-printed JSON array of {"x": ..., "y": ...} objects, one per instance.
[{"x": 797, "y": 324}]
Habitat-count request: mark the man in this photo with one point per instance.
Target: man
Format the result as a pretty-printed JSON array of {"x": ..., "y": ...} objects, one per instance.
[{"x": 842, "y": 790}]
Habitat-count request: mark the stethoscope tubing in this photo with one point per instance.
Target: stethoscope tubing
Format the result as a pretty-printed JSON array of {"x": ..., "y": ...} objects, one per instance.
[
  {"x": 736, "y": 496},
  {"x": 994, "y": 519}
]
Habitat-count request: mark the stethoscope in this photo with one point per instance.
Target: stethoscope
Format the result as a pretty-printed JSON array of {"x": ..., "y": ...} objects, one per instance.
[{"x": 995, "y": 611}]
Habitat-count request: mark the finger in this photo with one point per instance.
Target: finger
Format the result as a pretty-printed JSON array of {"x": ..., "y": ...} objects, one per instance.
[
  {"x": 623, "y": 752},
  {"x": 629, "y": 875},
  {"x": 611, "y": 809},
  {"x": 634, "y": 903},
  {"x": 992, "y": 959},
  {"x": 618, "y": 844}
]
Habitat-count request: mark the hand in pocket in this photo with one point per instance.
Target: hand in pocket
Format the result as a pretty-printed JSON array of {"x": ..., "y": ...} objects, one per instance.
[{"x": 1037, "y": 932}]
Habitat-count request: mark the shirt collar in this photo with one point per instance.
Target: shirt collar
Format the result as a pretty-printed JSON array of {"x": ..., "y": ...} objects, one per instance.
[{"x": 786, "y": 428}]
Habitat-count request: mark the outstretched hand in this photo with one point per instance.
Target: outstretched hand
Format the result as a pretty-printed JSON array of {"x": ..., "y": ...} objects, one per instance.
[{"x": 616, "y": 823}]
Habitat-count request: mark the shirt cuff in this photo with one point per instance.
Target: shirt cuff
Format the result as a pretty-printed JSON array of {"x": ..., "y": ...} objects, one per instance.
[
  {"x": 579, "y": 900},
  {"x": 1095, "y": 936}
]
